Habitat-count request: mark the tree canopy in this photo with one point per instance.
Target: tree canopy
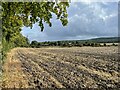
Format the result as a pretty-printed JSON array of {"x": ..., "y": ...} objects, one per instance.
[
  {"x": 15, "y": 15},
  {"x": 18, "y": 14}
]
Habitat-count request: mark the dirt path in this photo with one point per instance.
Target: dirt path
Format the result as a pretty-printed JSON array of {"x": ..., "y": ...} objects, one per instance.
[
  {"x": 84, "y": 67},
  {"x": 13, "y": 75}
]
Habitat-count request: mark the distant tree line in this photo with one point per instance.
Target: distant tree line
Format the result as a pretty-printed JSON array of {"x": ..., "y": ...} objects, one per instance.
[{"x": 35, "y": 44}]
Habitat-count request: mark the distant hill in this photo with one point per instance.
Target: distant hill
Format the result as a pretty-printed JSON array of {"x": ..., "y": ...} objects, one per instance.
[
  {"x": 105, "y": 40},
  {"x": 98, "y": 40}
]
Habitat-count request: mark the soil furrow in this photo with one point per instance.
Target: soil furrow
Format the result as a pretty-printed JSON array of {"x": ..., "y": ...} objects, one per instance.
[
  {"x": 38, "y": 72},
  {"x": 84, "y": 67},
  {"x": 70, "y": 68}
]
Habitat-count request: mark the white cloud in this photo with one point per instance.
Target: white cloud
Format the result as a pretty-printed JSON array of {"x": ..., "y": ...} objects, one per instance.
[{"x": 85, "y": 21}]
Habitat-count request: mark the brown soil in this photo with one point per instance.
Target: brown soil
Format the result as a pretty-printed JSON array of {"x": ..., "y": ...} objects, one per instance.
[{"x": 81, "y": 67}]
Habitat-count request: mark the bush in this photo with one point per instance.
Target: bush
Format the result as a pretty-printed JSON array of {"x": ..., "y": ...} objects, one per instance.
[
  {"x": 97, "y": 45},
  {"x": 81, "y": 45},
  {"x": 113, "y": 44},
  {"x": 104, "y": 44},
  {"x": 92, "y": 44}
]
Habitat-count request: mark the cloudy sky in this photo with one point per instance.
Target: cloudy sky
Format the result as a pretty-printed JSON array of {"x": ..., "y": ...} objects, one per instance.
[{"x": 86, "y": 20}]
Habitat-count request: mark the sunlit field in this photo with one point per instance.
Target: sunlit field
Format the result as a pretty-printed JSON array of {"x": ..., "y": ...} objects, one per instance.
[{"x": 75, "y": 67}]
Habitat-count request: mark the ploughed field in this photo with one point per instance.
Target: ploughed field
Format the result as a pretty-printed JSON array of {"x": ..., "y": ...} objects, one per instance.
[{"x": 75, "y": 67}]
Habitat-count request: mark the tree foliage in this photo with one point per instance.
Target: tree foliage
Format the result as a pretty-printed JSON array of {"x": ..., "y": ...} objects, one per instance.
[
  {"x": 18, "y": 14},
  {"x": 15, "y": 15}
]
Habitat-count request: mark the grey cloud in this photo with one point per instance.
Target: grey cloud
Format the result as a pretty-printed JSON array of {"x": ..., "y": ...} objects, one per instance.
[{"x": 85, "y": 21}]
